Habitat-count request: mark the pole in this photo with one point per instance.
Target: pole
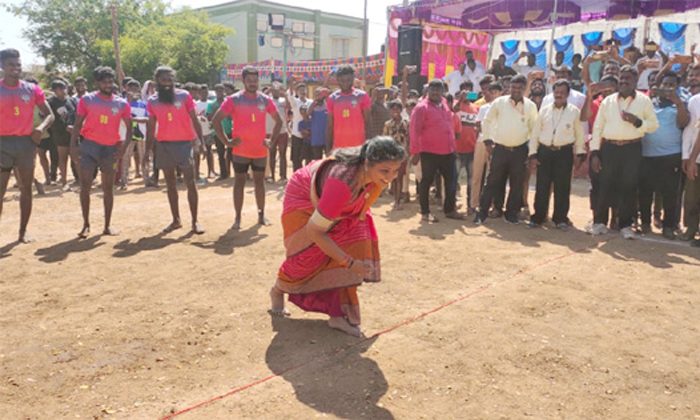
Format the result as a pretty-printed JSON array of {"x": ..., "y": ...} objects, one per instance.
[
  {"x": 365, "y": 29},
  {"x": 284, "y": 60},
  {"x": 115, "y": 38},
  {"x": 551, "y": 38}
]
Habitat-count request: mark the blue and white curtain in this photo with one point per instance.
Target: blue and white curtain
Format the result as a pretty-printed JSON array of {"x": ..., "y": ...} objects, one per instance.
[
  {"x": 626, "y": 38},
  {"x": 565, "y": 44},
  {"x": 511, "y": 51},
  {"x": 590, "y": 39},
  {"x": 537, "y": 47},
  {"x": 672, "y": 37}
]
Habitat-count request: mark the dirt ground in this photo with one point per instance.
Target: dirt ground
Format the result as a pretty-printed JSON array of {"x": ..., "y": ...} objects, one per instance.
[{"x": 525, "y": 324}]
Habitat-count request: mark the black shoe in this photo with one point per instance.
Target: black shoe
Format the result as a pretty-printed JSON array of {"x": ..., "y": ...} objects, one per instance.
[
  {"x": 495, "y": 213},
  {"x": 532, "y": 225},
  {"x": 454, "y": 215},
  {"x": 479, "y": 219},
  {"x": 513, "y": 220},
  {"x": 695, "y": 243}
]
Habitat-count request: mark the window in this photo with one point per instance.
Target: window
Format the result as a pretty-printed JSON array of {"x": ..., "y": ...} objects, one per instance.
[{"x": 341, "y": 47}]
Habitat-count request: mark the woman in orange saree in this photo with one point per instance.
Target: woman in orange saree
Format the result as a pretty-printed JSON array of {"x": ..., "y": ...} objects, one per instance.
[{"x": 329, "y": 233}]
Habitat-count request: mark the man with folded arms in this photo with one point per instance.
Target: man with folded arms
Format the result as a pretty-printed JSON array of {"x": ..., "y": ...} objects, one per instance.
[
  {"x": 556, "y": 136},
  {"x": 616, "y": 150}
]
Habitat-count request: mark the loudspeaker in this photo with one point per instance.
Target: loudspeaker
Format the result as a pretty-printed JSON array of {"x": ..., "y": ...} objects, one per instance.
[
  {"x": 410, "y": 43},
  {"x": 410, "y": 46}
]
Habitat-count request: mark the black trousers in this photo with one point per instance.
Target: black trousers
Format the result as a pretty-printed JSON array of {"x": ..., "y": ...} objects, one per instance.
[
  {"x": 555, "y": 168},
  {"x": 660, "y": 175},
  {"x": 431, "y": 164},
  {"x": 619, "y": 178},
  {"x": 297, "y": 152},
  {"x": 221, "y": 153},
  {"x": 506, "y": 164}
]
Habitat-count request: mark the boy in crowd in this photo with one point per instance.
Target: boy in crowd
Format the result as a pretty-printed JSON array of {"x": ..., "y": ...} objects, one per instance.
[
  {"x": 398, "y": 128},
  {"x": 64, "y": 108},
  {"x": 319, "y": 121},
  {"x": 305, "y": 133},
  {"x": 201, "y": 106},
  {"x": 139, "y": 116}
]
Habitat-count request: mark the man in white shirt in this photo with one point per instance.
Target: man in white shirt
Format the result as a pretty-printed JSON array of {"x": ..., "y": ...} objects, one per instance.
[
  {"x": 201, "y": 106},
  {"x": 456, "y": 78},
  {"x": 508, "y": 125},
  {"x": 480, "y": 165},
  {"x": 531, "y": 64},
  {"x": 690, "y": 135},
  {"x": 575, "y": 98},
  {"x": 475, "y": 74},
  {"x": 557, "y": 135}
]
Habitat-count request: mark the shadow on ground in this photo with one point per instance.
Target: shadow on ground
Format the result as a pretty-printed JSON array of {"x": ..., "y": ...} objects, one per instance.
[{"x": 327, "y": 369}]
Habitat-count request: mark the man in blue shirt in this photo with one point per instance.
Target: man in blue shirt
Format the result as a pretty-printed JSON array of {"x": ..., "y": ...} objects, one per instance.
[
  {"x": 660, "y": 170},
  {"x": 318, "y": 112},
  {"x": 139, "y": 116}
]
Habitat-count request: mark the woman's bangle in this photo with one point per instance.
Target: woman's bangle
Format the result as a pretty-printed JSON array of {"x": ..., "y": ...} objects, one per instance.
[{"x": 346, "y": 261}]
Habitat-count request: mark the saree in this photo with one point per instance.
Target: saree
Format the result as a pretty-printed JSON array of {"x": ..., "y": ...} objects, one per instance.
[{"x": 314, "y": 281}]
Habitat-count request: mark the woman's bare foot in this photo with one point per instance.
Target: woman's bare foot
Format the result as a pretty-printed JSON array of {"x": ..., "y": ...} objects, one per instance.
[
  {"x": 85, "y": 232},
  {"x": 173, "y": 226},
  {"x": 197, "y": 229},
  {"x": 277, "y": 299},
  {"x": 237, "y": 224},
  {"x": 110, "y": 231},
  {"x": 342, "y": 324}
]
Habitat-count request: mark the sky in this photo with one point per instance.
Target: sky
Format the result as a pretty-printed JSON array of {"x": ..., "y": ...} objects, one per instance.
[{"x": 12, "y": 27}]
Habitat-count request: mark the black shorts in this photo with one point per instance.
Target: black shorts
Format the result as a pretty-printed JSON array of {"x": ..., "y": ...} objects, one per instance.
[
  {"x": 174, "y": 155},
  {"x": 94, "y": 155},
  {"x": 241, "y": 164},
  {"x": 17, "y": 152}
]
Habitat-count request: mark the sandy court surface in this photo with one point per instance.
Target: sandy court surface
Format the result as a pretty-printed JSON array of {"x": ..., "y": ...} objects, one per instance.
[{"x": 538, "y": 324}]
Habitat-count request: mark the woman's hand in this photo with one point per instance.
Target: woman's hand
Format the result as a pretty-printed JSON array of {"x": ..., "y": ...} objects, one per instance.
[{"x": 360, "y": 267}]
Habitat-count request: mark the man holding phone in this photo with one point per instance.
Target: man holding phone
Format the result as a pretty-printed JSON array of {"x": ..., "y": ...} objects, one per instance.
[{"x": 652, "y": 61}]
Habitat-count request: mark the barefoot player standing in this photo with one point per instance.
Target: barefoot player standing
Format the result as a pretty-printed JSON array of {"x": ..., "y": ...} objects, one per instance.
[
  {"x": 173, "y": 110},
  {"x": 18, "y": 139},
  {"x": 98, "y": 117}
]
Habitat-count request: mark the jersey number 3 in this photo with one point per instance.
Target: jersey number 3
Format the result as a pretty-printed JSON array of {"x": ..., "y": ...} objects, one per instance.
[{"x": 16, "y": 110}]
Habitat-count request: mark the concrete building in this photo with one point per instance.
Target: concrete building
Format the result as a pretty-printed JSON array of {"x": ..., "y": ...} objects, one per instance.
[{"x": 317, "y": 35}]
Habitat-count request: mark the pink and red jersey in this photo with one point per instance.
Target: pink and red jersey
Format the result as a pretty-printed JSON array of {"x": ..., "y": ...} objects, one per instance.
[
  {"x": 348, "y": 118},
  {"x": 102, "y": 117},
  {"x": 17, "y": 108},
  {"x": 248, "y": 114},
  {"x": 174, "y": 120}
]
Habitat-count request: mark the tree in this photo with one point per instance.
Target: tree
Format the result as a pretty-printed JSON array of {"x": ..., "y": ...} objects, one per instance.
[
  {"x": 75, "y": 36},
  {"x": 185, "y": 41}
]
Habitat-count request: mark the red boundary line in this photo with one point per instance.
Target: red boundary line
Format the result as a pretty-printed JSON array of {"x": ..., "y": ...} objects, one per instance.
[{"x": 401, "y": 324}]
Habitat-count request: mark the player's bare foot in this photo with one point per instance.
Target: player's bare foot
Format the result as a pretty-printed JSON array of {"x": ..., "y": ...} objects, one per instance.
[
  {"x": 197, "y": 229},
  {"x": 264, "y": 221},
  {"x": 173, "y": 226},
  {"x": 110, "y": 231},
  {"x": 85, "y": 232},
  {"x": 39, "y": 187},
  {"x": 237, "y": 224},
  {"x": 25, "y": 239},
  {"x": 343, "y": 325},
  {"x": 66, "y": 188},
  {"x": 277, "y": 299}
]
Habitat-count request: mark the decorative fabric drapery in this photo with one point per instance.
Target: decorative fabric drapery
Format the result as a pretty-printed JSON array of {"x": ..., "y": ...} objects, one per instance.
[
  {"x": 511, "y": 51},
  {"x": 444, "y": 49},
  {"x": 537, "y": 47},
  {"x": 626, "y": 37},
  {"x": 672, "y": 37},
  {"x": 371, "y": 66},
  {"x": 565, "y": 44}
]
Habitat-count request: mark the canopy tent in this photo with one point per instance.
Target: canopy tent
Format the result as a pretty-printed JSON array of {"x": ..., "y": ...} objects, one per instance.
[
  {"x": 509, "y": 15},
  {"x": 527, "y": 25}
]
